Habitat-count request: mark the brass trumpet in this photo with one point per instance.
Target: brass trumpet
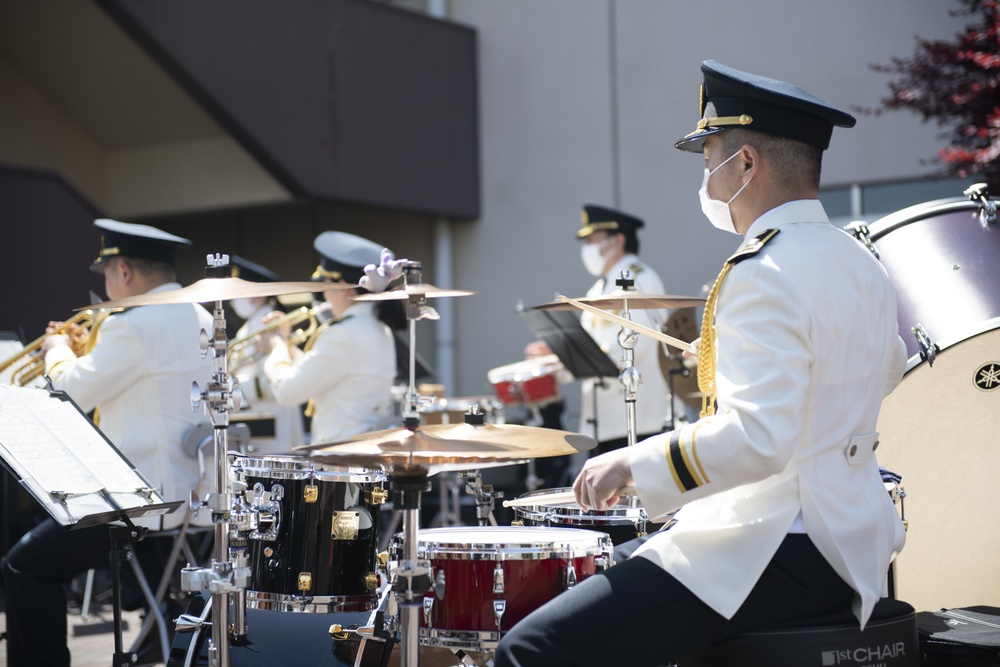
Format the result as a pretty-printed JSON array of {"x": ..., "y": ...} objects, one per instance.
[
  {"x": 28, "y": 364},
  {"x": 244, "y": 351}
]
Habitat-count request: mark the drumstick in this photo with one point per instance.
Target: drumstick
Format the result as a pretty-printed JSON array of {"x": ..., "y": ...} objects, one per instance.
[
  {"x": 628, "y": 324},
  {"x": 559, "y": 498}
]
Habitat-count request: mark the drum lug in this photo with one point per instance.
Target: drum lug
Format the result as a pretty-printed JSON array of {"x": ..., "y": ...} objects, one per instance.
[
  {"x": 310, "y": 493},
  {"x": 371, "y": 581},
  {"x": 305, "y": 581},
  {"x": 428, "y": 607},
  {"x": 570, "y": 576},
  {"x": 517, "y": 522},
  {"x": 987, "y": 208},
  {"x": 928, "y": 350},
  {"x": 860, "y": 231},
  {"x": 499, "y": 607},
  {"x": 498, "y": 579},
  {"x": 378, "y": 495}
]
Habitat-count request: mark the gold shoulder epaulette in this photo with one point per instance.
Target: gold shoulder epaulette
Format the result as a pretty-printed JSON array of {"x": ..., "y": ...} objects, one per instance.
[
  {"x": 635, "y": 269},
  {"x": 752, "y": 248}
]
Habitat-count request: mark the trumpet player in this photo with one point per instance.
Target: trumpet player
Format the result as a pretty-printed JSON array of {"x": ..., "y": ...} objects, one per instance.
[
  {"x": 347, "y": 368},
  {"x": 139, "y": 376},
  {"x": 273, "y": 428}
]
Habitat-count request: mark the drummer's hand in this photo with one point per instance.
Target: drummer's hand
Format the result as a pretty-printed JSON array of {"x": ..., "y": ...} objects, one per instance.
[
  {"x": 600, "y": 479},
  {"x": 537, "y": 349},
  {"x": 693, "y": 348}
]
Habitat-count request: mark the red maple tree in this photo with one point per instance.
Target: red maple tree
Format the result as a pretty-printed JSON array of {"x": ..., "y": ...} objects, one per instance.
[{"x": 957, "y": 85}]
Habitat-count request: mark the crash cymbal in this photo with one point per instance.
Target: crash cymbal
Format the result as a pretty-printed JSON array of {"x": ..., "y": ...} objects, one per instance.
[
  {"x": 636, "y": 301},
  {"x": 218, "y": 289},
  {"x": 418, "y": 290},
  {"x": 463, "y": 446}
]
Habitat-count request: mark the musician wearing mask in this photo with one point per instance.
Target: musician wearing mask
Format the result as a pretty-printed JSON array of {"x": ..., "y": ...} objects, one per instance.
[
  {"x": 138, "y": 377},
  {"x": 273, "y": 429},
  {"x": 346, "y": 370},
  {"x": 610, "y": 245}
]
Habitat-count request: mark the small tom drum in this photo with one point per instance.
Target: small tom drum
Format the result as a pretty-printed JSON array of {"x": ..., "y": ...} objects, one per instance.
[
  {"x": 311, "y": 532},
  {"x": 485, "y": 579},
  {"x": 621, "y": 522},
  {"x": 531, "y": 382}
]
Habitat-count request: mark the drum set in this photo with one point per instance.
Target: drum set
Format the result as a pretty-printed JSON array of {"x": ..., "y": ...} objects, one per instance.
[{"x": 297, "y": 573}]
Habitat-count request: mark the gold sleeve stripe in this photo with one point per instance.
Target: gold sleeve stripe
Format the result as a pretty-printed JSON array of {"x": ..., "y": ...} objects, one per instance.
[
  {"x": 688, "y": 463},
  {"x": 694, "y": 452},
  {"x": 680, "y": 466}
]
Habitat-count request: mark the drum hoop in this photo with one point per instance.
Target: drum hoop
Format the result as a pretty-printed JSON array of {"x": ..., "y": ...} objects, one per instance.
[
  {"x": 286, "y": 467},
  {"x": 522, "y": 544},
  {"x": 919, "y": 212},
  {"x": 984, "y": 327},
  {"x": 622, "y": 515},
  {"x": 317, "y": 604}
]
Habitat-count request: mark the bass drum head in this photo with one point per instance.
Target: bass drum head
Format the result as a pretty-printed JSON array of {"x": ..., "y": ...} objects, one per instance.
[{"x": 938, "y": 431}]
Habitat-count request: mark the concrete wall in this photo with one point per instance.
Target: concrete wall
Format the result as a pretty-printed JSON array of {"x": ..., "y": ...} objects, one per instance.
[{"x": 581, "y": 101}]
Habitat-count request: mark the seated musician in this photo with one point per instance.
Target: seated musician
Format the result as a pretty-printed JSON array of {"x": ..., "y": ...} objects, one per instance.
[{"x": 138, "y": 376}]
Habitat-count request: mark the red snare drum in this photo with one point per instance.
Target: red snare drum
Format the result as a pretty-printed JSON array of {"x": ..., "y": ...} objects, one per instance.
[
  {"x": 529, "y": 382},
  {"x": 487, "y": 578}
]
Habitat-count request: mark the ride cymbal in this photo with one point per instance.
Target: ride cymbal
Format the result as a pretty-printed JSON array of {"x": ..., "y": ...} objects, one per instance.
[
  {"x": 462, "y": 445},
  {"x": 636, "y": 301},
  {"x": 418, "y": 290},
  {"x": 218, "y": 289}
]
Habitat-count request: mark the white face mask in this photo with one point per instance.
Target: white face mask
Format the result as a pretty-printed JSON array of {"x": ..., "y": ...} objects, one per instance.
[
  {"x": 243, "y": 308},
  {"x": 716, "y": 211},
  {"x": 593, "y": 260}
]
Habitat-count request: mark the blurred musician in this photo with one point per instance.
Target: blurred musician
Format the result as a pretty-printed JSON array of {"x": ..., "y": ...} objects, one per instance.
[
  {"x": 273, "y": 428},
  {"x": 347, "y": 368},
  {"x": 138, "y": 376},
  {"x": 610, "y": 246}
]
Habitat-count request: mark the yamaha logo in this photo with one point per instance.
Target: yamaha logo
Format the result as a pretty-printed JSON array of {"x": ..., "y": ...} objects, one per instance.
[
  {"x": 987, "y": 376},
  {"x": 868, "y": 656}
]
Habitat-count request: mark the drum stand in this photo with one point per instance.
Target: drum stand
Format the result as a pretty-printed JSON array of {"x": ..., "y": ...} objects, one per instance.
[{"x": 223, "y": 577}]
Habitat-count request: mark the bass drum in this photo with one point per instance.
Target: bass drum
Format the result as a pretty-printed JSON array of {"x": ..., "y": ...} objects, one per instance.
[
  {"x": 938, "y": 431},
  {"x": 943, "y": 258},
  {"x": 276, "y": 637}
]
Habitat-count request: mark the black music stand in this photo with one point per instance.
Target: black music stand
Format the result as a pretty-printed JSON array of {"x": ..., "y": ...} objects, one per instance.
[
  {"x": 578, "y": 352},
  {"x": 81, "y": 479}
]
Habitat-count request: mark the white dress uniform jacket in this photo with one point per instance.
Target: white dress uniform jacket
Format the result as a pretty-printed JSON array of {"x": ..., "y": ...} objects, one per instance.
[
  {"x": 807, "y": 346},
  {"x": 651, "y": 404},
  {"x": 139, "y": 376},
  {"x": 348, "y": 373},
  {"x": 259, "y": 403}
]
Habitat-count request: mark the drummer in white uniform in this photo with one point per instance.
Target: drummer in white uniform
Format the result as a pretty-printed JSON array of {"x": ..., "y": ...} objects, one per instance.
[
  {"x": 273, "y": 429},
  {"x": 346, "y": 370}
]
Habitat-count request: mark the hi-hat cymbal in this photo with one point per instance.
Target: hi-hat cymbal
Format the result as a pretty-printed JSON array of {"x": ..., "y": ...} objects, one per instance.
[
  {"x": 218, "y": 289},
  {"x": 419, "y": 290},
  {"x": 457, "y": 445},
  {"x": 636, "y": 301}
]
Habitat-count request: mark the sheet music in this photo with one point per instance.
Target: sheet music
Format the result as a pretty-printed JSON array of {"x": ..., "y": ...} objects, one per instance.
[{"x": 63, "y": 460}]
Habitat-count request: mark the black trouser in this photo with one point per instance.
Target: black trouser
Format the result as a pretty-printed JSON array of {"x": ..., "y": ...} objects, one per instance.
[
  {"x": 35, "y": 573},
  {"x": 636, "y": 614}
]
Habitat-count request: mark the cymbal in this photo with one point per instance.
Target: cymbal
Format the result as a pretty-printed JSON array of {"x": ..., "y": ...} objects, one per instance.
[
  {"x": 463, "y": 446},
  {"x": 636, "y": 301},
  {"x": 419, "y": 290},
  {"x": 219, "y": 289}
]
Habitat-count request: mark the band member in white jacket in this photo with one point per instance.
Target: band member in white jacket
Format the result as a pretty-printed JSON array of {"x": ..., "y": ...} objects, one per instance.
[
  {"x": 783, "y": 512},
  {"x": 138, "y": 377},
  {"x": 347, "y": 368}
]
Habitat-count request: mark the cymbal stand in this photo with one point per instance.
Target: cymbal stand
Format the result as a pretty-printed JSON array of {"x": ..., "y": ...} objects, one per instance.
[
  {"x": 405, "y": 486},
  {"x": 221, "y": 396},
  {"x": 485, "y": 497},
  {"x": 630, "y": 377}
]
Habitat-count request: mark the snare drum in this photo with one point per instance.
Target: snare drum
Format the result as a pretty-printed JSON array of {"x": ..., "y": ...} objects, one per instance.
[
  {"x": 531, "y": 382},
  {"x": 621, "y": 522},
  {"x": 486, "y": 579},
  {"x": 311, "y": 533}
]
